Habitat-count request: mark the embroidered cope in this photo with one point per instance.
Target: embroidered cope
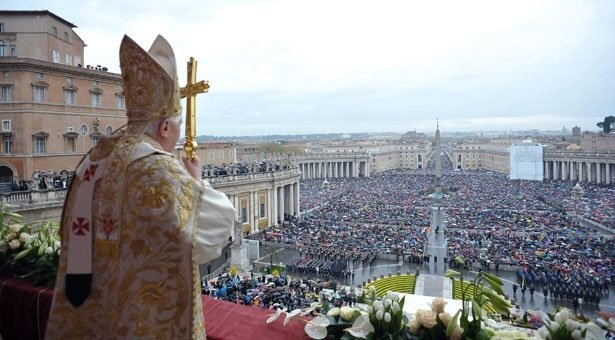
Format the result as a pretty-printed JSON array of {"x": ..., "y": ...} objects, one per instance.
[{"x": 148, "y": 238}]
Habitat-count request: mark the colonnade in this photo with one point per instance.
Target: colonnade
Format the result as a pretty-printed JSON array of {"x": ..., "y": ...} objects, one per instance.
[
  {"x": 333, "y": 169},
  {"x": 581, "y": 170},
  {"x": 261, "y": 199}
]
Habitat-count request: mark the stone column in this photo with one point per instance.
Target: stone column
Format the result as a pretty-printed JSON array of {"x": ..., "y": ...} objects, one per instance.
[
  {"x": 598, "y": 173},
  {"x": 608, "y": 173},
  {"x": 274, "y": 206},
  {"x": 254, "y": 214},
  {"x": 270, "y": 206},
  {"x": 237, "y": 207},
  {"x": 291, "y": 200},
  {"x": 297, "y": 203},
  {"x": 281, "y": 203}
]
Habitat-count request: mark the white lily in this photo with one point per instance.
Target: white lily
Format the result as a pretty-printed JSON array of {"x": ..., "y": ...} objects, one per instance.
[
  {"x": 291, "y": 315},
  {"x": 562, "y": 316},
  {"x": 335, "y": 311},
  {"x": 277, "y": 314},
  {"x": 361, "y": 327},
  {"x": 346, "y": 313},
  {"x": 313, "y": 306},
  {"x": 396, "y": 308},
  {"x": 317, "y": 327}
]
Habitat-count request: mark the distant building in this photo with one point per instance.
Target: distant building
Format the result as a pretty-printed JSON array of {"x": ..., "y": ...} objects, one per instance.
[
  {"x": 526, "y": 161},
  {"x": 412, "y": 136},
  {"x": 598, "y": 141},
  {"x": 490, "y": 155},
  {"x": 214, "y": 153}
]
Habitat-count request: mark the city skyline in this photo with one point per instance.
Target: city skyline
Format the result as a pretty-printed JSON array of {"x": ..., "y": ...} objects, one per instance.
[{"x": 353, "y": 66}]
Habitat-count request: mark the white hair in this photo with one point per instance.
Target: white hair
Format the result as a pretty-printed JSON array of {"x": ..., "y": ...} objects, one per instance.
[{"x": 152, "y": 127}]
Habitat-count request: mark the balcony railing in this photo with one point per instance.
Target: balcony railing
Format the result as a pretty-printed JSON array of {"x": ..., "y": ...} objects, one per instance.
[{"x": 17, "y": 198}]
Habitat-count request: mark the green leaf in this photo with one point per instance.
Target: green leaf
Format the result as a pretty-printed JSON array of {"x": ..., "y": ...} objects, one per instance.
[
  {"x": 23, "y": 254},
  {"x": 452, "y": 324},
  {"x": 460, "y": 260},
  {"x": 494, "y": 285},
  {"x": 476, "y": 308},
  {"x": 451, "y": 273},
  {"x": 493, "y": 278}
]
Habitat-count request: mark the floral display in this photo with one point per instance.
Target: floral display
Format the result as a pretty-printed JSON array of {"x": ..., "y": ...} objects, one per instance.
[
  {"x": 379, "y": 318},
  {"x": 29, "y": 251},
  {"x": 435, "y": 323},
  {"x": 561, "y": 325}
]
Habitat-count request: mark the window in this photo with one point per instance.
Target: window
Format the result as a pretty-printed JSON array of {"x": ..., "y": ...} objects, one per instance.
[
  {"x": 69, "y": 59},
  {"x": 69, "y": 96},
  {"x": 96, "y": 82},
  {"x": 1, "y": 27},
  {"x": 121, "y": 104},
  {"x": 262, "y": 210},
  {"x": 221, "y": 154},
  {"x": 7, "y": 144},
  {"x": 39, "y": 75},
  {"x": 66, "y": 36},
  {"x": 39, "y": 94},
  {"x": 6, "y": 125},
  {"x": 70, "y": 140},
  {"x": 13, "y": 51},
  {"x": 54, "y": 31},
  {"x": 211, "y": 155},
  {"x": 95, "y": 99},
  {"x": 95, "y": 140},
  {"x": 39, "y": 141},
  {"x": 244, "y": 215},
  {"x": 83, "y": 129},
  {"x": 56, "y": 56},
  {"x": 109, "y": 129},
  {"x": 69, "y": 80},
  {"x": 70, "y": 129},
  {"x": 2, "y": 48},
  {"x": 70, "y": 144},
  {"x": 6, "y": 74},
  {"x": 5, "y": 93}
]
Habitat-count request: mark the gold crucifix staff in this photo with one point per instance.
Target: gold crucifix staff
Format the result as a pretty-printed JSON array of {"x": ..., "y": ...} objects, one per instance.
[{"x": 190, "y": 91}]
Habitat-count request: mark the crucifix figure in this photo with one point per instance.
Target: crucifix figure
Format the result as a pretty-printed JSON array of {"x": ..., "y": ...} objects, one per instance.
[{"x": 190, "y": 91}]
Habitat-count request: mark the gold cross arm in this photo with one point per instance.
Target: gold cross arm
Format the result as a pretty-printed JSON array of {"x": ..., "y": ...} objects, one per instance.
[{"x": 189, "y": 92}]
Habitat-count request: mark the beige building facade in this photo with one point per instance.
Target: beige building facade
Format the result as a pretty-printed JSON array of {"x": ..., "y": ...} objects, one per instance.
[
  {"x": 214, "y": 153},
  {"x": 52, "y": 111}
]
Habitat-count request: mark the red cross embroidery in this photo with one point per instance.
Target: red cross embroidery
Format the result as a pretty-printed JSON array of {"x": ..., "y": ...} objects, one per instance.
[
  {"x": 80, "y": 226},
  {"x": 107, "y": 226},
  {"x": 89, "y": 172}
]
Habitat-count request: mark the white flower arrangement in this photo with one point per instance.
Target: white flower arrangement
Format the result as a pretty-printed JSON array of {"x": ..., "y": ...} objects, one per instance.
[
  {"x": 562, "y": 326},
  {"x": 28, "y": 250},
  {"x": 379, "y": 318}
]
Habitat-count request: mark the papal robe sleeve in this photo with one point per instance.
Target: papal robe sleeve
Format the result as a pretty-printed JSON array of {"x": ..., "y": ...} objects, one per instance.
[{"x": 214, "y": 223}]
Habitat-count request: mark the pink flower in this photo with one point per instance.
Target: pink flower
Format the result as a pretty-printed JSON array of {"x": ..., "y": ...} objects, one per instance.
[{"x": 437, "y": 305}]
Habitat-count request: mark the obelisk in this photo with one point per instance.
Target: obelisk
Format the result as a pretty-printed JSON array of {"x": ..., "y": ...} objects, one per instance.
[{"x": 438, "y": 160}]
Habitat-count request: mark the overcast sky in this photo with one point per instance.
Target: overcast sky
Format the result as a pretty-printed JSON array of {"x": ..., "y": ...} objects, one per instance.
[{"x": 293, "y": 67}]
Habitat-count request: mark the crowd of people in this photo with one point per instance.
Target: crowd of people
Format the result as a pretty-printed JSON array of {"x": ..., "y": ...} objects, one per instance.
[
  {"x": 241, "y": 168},
  {"x": 272, "y": 292},
  {"x": 489, "y": 220}
]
